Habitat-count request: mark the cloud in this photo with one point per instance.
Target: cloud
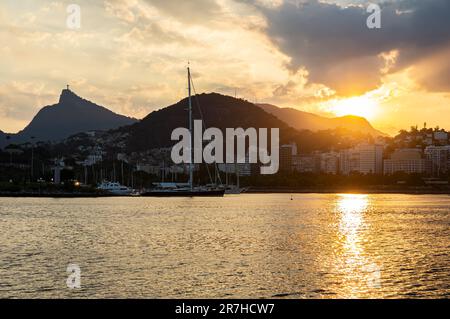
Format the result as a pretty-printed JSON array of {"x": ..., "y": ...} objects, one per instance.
[
  {"x": 433, "y": 72},
  {"x": 334, "y": 44},
  {"x": 122, "y": 9},
  {"x": 192, "y": 11},
  {"x": 20, "y": 100},
  {"x": 153, "y": 33}
]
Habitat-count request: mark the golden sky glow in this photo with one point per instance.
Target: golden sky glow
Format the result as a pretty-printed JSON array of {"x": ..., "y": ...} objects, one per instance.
[
  {"x": 130, "y": 55},
  {"x": 360, "y": 105}
]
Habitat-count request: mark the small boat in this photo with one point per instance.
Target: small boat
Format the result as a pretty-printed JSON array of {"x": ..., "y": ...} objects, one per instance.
[{"x": 114, "y": 188}]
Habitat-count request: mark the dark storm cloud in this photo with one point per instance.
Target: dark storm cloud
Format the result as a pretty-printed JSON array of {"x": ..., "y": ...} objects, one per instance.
[{"x": 337, "y": 48}]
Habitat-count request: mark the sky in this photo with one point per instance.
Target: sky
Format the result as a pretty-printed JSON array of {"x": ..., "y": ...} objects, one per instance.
[{"x": 316, "y": 56}]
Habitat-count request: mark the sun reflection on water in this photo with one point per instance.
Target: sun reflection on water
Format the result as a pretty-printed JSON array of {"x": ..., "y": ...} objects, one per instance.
[
  {"x": 350, "y": 203},
  {"x": 351, "y": 209},
  {"x": 354, "y": 262}
]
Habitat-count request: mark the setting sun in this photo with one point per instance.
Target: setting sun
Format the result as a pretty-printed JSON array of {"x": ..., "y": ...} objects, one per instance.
[{"x": 360, "y": 106}]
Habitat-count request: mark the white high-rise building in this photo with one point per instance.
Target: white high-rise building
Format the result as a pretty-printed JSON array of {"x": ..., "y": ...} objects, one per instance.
[
  {"x": 364, "y": 159},
  {"x": 371, "y": 159},
  {"x": 349, "y": 161}
]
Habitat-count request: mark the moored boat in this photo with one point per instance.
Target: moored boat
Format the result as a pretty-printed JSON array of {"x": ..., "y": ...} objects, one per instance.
[
  {"x": 114, "y": 188},
  {"x": 182, "y": 190}
]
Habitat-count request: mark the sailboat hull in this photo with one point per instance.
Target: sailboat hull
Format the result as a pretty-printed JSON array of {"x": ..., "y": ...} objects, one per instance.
[{"x": 184, "y": 193}]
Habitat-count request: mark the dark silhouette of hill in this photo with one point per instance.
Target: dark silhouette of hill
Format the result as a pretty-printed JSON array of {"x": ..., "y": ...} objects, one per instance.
[
  {"x": 3, "y": 140},
  {"x": 221, "y": 111},
  {"x": 71, "y": 115},
  {"x": 308, "y": 121}
]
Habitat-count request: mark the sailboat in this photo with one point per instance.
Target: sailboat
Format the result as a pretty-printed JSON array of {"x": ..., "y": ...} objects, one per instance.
[{"x": 186, "y": 189}]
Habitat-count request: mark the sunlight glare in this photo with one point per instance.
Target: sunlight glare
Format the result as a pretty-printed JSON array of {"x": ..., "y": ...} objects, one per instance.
[{"x": 359, "y": 106}]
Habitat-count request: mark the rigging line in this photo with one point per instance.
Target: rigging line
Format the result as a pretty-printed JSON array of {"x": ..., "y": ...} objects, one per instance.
[
  {"x": 203, "y": 121},
  {"x": 216, "y": 168}
]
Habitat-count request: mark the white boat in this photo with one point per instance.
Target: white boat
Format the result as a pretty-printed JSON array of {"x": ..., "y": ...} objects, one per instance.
[{"x": 115, "y": 188}]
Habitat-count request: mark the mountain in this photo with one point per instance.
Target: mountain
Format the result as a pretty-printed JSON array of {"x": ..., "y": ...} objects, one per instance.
[
  {"x": 219, "y": 111},
  {"x": 2, "y": 138},
  {"x": 71, "y": 115},
  {"x": 222, "y": 112},
  {"x": 307, "y": 121},
  {"x": 5, "y": 139}
]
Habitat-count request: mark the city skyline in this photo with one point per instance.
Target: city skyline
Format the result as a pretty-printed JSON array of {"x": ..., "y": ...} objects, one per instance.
[{"x": 130, "y": 56}]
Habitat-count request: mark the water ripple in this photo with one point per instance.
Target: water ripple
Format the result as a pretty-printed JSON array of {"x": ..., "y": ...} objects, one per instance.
[{"x": 250, "y": 246}]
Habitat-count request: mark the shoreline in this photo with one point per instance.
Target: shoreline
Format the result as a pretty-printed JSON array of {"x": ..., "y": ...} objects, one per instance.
[
  {"x": 57, "y": 195},
  {"x": 250, "y": 190},
  {"x": 405, "y": 191}
]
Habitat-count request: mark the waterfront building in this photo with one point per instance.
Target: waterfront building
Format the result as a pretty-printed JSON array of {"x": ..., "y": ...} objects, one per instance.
[
  {"x": 306, "y": 163},
  {"x": 371, "y": 158},
  {"x": 406, "y": 160},
  {"x": 287, "y": 152},
  {"x": 244, "y": 169},
  {"x": 349, "y": 161},
  {"x": 57, "y": 168},
  {"x": 95, "y": 157},
  {"x": 441, "y": 137},
  {"x": 364, "y": 159},
  {"x": 439, "y": 157},
  {"x": 329, "y": 163}
]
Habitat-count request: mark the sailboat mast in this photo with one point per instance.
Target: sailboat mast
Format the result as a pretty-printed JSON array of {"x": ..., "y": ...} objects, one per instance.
[
  {"x": 191, "y": 168},
  {"x": 237, "y": 177}
]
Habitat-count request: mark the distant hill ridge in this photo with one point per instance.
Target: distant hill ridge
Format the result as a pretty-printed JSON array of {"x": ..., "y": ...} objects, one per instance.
[
  {"x": 71, "y": 115},
  {"x": 301, "y": 120},
  {"x": 222, "y": 112},
  {"x": 218, "y": 110}
]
